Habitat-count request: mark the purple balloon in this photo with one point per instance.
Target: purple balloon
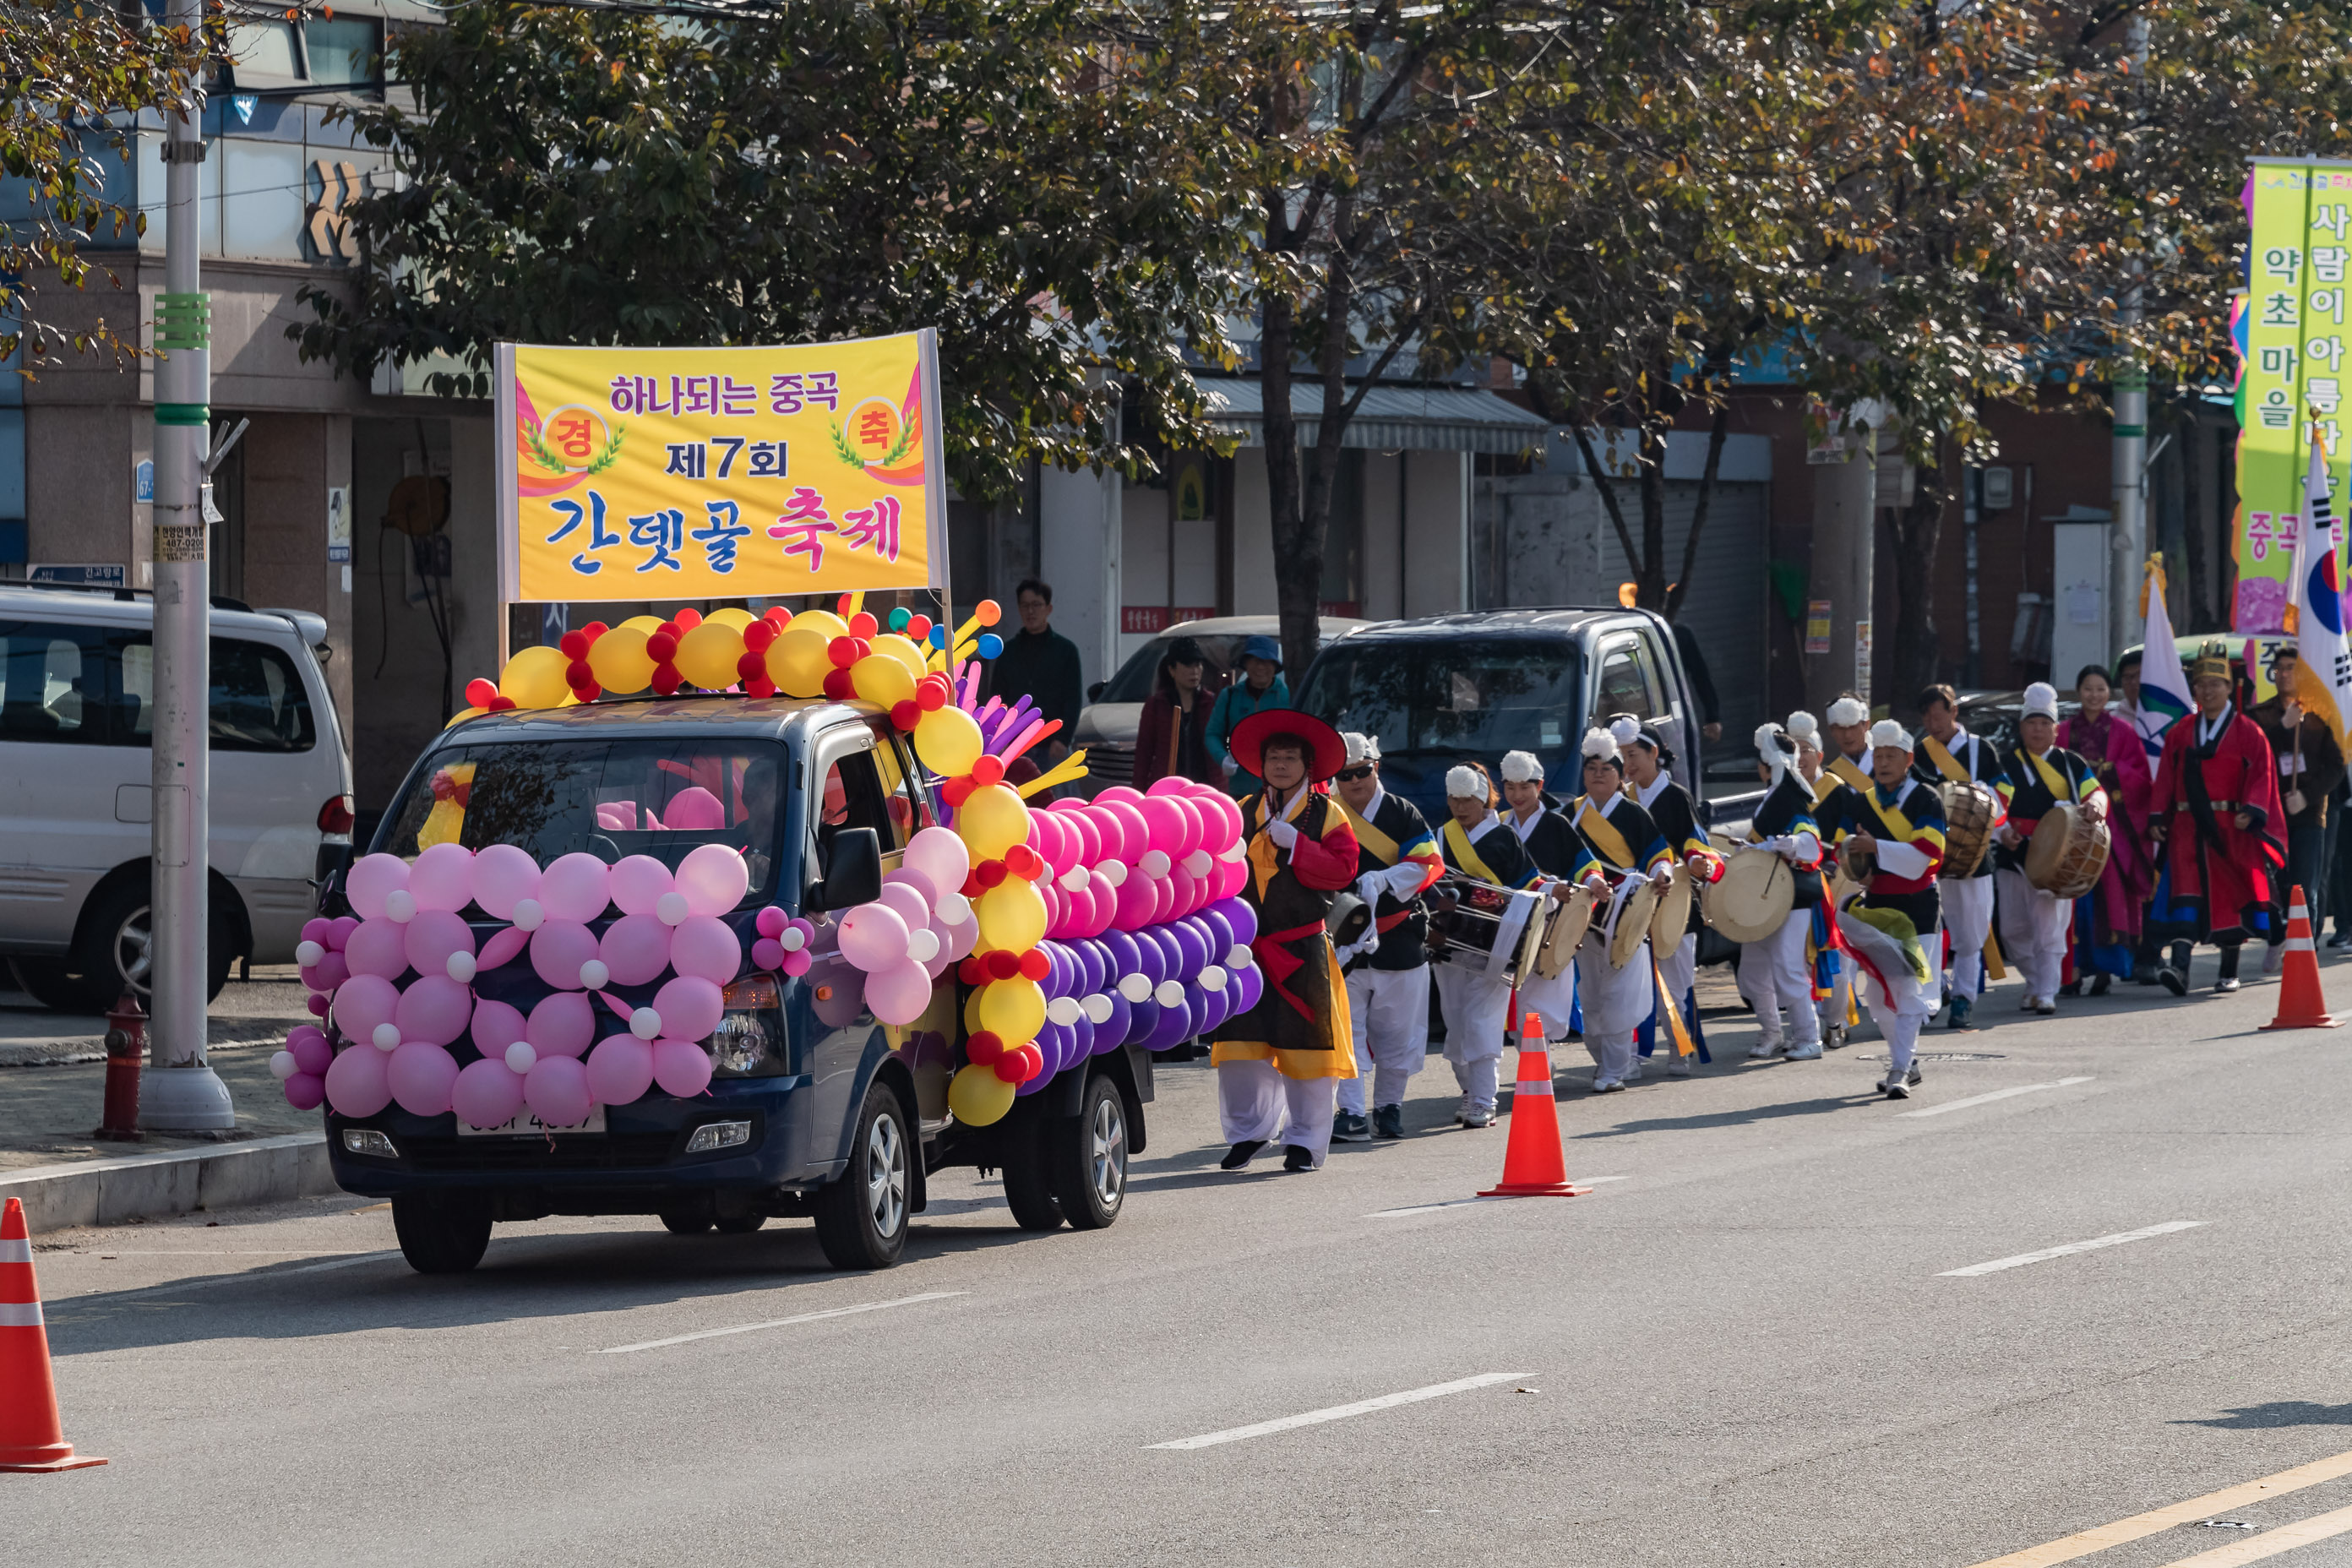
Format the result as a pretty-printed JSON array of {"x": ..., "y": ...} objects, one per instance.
[
  {"x": 1175, "y": 1024},
  {"x": 486, "y": 1093},
  {"x": 1192, "y": 949},
  {"x": 636, "y": 948},
  {"x": 563, "y": 1025},
  {"x": 559, "y": 948},
  {"x": 1113, "y": 1031},
  {"x": 1151, "y": 959},
  {"x": 1126, "y": 957},
  {"x": 556, "y": 1089},
  {"x": 420, "y": 1077},
  {"x": 1251, "y": 985},
  {"x": 1142, "y": 1018},
  {"x": 1083, "y": 1031},
  {"x": 1240, "y": 917},
  {"x": 1218, "y": 1008},
  {"x": 1220, "y": 930},
  {"x": 497, "y": 1025},
  {"x": 1095, "y": 961},
  {"x": 435, "y": 1008},
  {"x": 620, "y": 1070}
]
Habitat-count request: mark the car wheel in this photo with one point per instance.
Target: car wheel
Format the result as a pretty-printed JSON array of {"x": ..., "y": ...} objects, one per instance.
[
  {"x": 862, "y": 1214},
  {"x": 442, "y": 1233},
  {"x": 742, "y": 1224},
  {"x": 46, "y": 981},
  {"x": 687, "y": 1221},
  {"x": 1028, "y": 1186},
  {"x": 1087, "y": 1157},
  {"x": 117, "y": 948}
]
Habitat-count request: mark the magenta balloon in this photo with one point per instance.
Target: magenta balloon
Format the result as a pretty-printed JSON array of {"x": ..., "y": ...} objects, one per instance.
[
  {"x": 1057, "y": 843},
  {"x": 1138, "y": 903},
  {"x": 767, "y": 953},
  {"x": 1119, "y": 793},
  {"x": 318, "y": 928},
  {"x": 559, "y": 948},
  {"x": 556, "y": 1089},
  {"x": 637, "y": 948},
  {"x": 562, "y": 1025},
  {"x": 332, "y": 972},
  {"x": 420, "y": 1077},
  {"x": 1168, "y": 785},
  {"x": 908, "y": 904},
  {"x": 1228, "y": 879},
  {"x": 434, "y": 1008},
  {"x": 310, "y": 1051},
  {"x": 620, "y": 1070},
  {"x": 371, "y": 876},
  {"x": 504, "y": 875},
  {"x": 1072, "y": 815},
  {"x": 900, "y": 993},
  {"x": 344, "y": 926},
  {"x": 356, "y": 1085},
  {"x": 305, "y": 1090},
  {"x": 1196, "y": 824},
  {"x": 704, "y": 945},
  {"x": 1163, "y": 823},
  {"x": 873, "y": 937},
  {"x": 443, "y": 878},
  {"x": 576, "y": 888},
  {"x": 496, "y": 1026},
  {"x": 639, "y": 882},
  {"x": 487, "y": 1093},
  {"x": 433, "y": 936},
  {"x": 366, "y": 1001},
  {"x": 689, "y": 1007},
  {"x": 378, "y": 947},
  {"x": 681, "y": 1068}
]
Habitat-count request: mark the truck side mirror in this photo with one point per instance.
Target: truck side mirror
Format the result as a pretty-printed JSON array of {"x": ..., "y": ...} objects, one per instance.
[
  {"x": 852, "y": 870},
  {"x": 1094, "y": 693}
]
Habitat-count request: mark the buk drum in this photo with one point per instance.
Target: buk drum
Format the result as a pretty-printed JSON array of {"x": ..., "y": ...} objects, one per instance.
[
  {"x": 1671, "y": 923},
  {"x": 1563, "y": 928},
  {"x": 1969, "y": 812},
  {"x": 1752, "y": 897},
  {"x": 2067, "y": 852},
  {"x": 1636, "y": 909},
  {"x": 1485, "y": 930}
]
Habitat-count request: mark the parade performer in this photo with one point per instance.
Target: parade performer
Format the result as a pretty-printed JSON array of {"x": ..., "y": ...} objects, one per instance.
[
  {"x": 1834, "y": 804},
  {"x": 1387, "y": 971},
  {"x": 1534, "y": 817},
  {"x": 1848, "y": 755},
  {"x": 2215, "y": 813},
  {"x": 1475, "y": 1008},
  {"x": 2041, "y": 776},
  {"x": 1776, "y": 972},
  {"x": 2108, "y": 918},
  {"x": 1946, "y": 751},
  {"x": 1625, "y": 842},
  {"x": 1650, "y": 780},
  {"x": 1899, "y": 824},
  {"x": 1276, "y": 1062},
  {"x": 2310, "y": 766}
]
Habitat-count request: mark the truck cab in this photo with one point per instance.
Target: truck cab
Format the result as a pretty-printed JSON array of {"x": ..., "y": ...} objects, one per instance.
[{"x": 814, "y": 1109}]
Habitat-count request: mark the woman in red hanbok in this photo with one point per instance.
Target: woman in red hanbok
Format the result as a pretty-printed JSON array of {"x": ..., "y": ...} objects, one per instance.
[
  {"x": 2108, "y": 918},
  {"x": 2215, "y": 813}
]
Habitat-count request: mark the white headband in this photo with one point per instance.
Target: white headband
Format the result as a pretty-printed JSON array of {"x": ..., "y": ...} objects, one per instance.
[
  {"x": 1522, "y": 767},
  {"x": 1887, "y": 733},
  {"x": 2040, "y": 701},
  {"x": 1846, "y": 711},
  {"x": 1776, "y": 749},
  {"x": 1463, "y": 784},
  {"x": 1624, "y": 731}
]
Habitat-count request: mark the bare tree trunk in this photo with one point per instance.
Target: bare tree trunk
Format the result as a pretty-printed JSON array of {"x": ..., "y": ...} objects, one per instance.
[
  {"x": 1716, "y": 431},
  {"x": 1650, "y": 566},
  {"x": 1918, "y": 529}
]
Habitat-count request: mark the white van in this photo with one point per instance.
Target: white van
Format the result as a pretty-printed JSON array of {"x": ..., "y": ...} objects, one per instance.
[{"x": 76, "y": 713}]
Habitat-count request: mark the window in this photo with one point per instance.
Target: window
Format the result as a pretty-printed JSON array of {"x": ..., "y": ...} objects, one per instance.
[
  {"x": 258, "y": 702},
  {"x": 325, "y": 52},
  {"x": 903, "y": 798},
  {"x": 342, "y": 51},
  {"x": 1628, "y": 682},
  {"x": 52, "y": 683},
  {"x": 1476, "y": 698}
]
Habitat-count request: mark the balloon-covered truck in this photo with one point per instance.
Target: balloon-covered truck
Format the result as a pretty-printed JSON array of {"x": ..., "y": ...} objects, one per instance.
[{"x": 728, "y": 919}]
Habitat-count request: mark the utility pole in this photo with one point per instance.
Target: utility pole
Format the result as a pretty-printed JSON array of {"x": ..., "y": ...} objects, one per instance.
[
  {"x": 180, "y": 1091},
  {"x": 1845, "y": 498},
  {"x": 2127, "y": 542}
]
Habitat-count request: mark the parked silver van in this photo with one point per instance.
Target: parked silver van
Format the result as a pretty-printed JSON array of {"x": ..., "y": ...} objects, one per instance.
[{"x": 75, "y": 712}]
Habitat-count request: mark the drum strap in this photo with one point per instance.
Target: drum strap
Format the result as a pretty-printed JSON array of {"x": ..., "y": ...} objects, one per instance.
[
  {"x": 1384, "y": 848},
  {"x": 2052, "y": 779},
  {"x": 1466, "y": 856},
  {"x": 1853, "y": 776},
  {"x": 1606, "y": 841}
]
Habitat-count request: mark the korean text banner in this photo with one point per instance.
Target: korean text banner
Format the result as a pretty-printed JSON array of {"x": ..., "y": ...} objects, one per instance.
[{"x": 661, "y": 473}]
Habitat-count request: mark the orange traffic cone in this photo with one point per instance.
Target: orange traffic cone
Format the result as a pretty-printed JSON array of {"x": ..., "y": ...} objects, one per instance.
[
  {"x": 2301, "y": 1003},
  {"x": 30, "y": 1437},
  {"x": 1532, "y": 1164}
]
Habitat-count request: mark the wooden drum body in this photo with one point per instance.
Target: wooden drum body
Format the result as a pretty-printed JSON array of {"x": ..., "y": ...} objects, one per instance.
[
  {"x": 1969, "y": 812},
  {"x": 2067, "y": 852}
]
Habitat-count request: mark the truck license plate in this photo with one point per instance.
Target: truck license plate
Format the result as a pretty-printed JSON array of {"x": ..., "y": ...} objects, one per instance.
[{"x": 529, "y": 1126}]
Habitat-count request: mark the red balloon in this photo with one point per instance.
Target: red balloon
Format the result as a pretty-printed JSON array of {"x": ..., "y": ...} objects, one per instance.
[
  {"x": 862, "y": 624},
  {"x": 907, "y": 715},
  {"x": 843, "y": 651},
  {"x": 594, "y": 630},
  {"x": 662, "y": 647},
  {"x": 991, "y": 873},
  {"x": 988, "y": 770},
  {"x": 1035, "y": 965},
  {"x": 762, "y": 687},
  {"x": 687, "y": 619},
  {"x": 838, "y": 685},
  {"x": 752, "y": 666},
  {"x": 760, "y": 634},
  {"x": 1025, "y": 862},
  {"x": 1003, "y": 965},
  {"x": 984, "y": 1048},
  {"x": 574, "y": 644},
  {"x": 480, "y": 693}
]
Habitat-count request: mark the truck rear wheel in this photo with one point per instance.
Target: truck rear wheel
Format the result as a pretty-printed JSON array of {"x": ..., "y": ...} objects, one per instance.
[
  {"x": 441, "y": 1233},
  {"x": 687, "y": 1221},
  {"x": 1087, "y": 1157},
  {"x": 862, "y": 1214},
  {"x": 1028, "y": 1187}
]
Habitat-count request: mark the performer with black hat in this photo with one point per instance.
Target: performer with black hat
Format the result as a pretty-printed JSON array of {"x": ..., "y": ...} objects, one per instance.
[
  {"x": 1387, "y": 971},
  {"x": 2216, "y": 816}
]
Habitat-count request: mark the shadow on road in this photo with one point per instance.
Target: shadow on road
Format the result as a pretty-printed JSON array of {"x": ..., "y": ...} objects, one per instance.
[
  {"x": 2278, "y": 1413},
  {"x": 1739, "y": 1117}
]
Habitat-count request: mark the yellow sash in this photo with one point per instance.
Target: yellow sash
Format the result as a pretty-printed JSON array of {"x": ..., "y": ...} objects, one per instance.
[
  {"x": 1466, "y": 856},
  {"x": 1945, "y": 763},
  {"x": 2052, "y": 779},
  {"x": 1384, "y": 849},
  {"x": 1850, "y": 774},
  {"x": 1264, "y": 855},
  {"x": 1604, "y": 838}
]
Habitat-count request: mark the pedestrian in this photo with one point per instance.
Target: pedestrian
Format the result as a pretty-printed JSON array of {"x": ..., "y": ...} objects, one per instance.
[
  {"x": 1260, "y": 689},
  {"x": 2042, "y": 776},
  {"x": 1897, "y": 826},
  {"x": 1171, "y": 737},
  {"x": 1629, "y": 849},
  {"x": 2148, "y": 725},
  {"x": 1946, "y": 751},
  {"x": 1040, "y": 664},
  {"x": 2339, "y": 872},
  {"x": 1649, "y": 779},
  {"x": 1834, "y": 806},
  {"x": 2108, "y": 918},
  {"x": 1777, "y": 971},
  {"x": 1277, "y": 1063},
  {"x": 1476, "y": 1008},
  {"x": 1702, "y": 683},
  {"x": 1534, "y": 817},
  {"x": 2216, "y": 813},
  {"x": 1848, "y": 753},
  {"x": 2310, "y": 766},
  {"x": 1388, "y": 970}
]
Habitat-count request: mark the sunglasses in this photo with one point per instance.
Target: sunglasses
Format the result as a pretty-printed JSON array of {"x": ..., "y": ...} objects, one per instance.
[{"x": 1350, "y": 775}]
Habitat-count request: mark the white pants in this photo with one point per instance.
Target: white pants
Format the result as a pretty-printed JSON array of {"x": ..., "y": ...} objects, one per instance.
[
  {"x": 1615, "y": 1002},
  {"x": 1678, "y": 968},
  {"x": 1257, "y": 1104},
  {"x": 1898, "y": 999},
  {"x": 2032, "y": 932},
  {"x": 1968, "y": 916},
  {"x": 1773, "y": 974},
  {"x": 1390, "y": 1008},
  {"x": 1477, "y": 1013}
]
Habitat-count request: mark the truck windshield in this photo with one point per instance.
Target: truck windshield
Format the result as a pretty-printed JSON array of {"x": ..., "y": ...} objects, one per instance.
[
  {"x": 1480, "y": 697},
  {"x": 610, "y": 798}
]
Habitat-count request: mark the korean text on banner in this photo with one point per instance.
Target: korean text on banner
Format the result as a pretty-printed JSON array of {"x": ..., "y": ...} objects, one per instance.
[{"x": 665, "y": 474}]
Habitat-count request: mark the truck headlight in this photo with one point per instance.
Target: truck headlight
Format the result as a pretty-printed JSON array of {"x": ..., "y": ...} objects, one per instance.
[
  {"x": 369, "y": 1142},
  {"x": 750, "y": 1039}
]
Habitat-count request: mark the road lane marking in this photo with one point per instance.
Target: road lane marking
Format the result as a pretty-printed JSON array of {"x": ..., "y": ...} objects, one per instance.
[
  {"x": 1989, "y": 1098},
  {"x": 782, "y": 1322},
  {"x": 1466, "y": 1203},
  {"x": 2096, "y": 1242},
  {"x": 1341, "y": 1412},
  {"x": 2157, "y": 1520},
  {"x": 2271, "y": 1542}
]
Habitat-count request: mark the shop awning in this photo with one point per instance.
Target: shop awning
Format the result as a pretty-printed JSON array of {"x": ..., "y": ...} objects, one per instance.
[{"x": 1391, "y": 418}]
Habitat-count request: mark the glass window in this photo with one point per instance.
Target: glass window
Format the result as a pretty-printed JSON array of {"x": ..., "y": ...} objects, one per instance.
[
  {"x": 853, "y": 796},
  {"x": 259, "y": 702},
  {"x": 1133, "y": 682},
  {"x": 1626, "y": 684},
  {"x": 1480, "y": 698},
  {"x": 264, "y": 48},
  {"x": 908, "y": 813},
  {"x": 342, "y": 51},
  {"x": 52, "y": 683}
]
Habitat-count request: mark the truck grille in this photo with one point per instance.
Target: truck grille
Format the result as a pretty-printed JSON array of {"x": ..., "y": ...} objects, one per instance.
[
  {"x": 573, "y": 1151},
  {"x": 1107, "y": 765}
]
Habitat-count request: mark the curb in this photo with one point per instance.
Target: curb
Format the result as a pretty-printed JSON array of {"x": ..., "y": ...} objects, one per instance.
[{"x": 140, "y": 1186}]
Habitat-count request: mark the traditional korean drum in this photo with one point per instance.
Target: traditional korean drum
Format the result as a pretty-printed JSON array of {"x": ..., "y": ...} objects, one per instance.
[
  {"x": 1969, "y": 812},
  {"x": 1753, "y": 897},
  {"x": 1671, "y": 922},
  {"x": 1563, "y": 930},
  {"x": 2067, "y": 852},
  {"x": 1636, "y": 910},
  {"x": 1481, "y": 928}
]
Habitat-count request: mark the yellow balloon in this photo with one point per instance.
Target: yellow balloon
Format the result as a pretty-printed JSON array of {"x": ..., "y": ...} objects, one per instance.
[
  {"x": 991, "y": 818},
  {"x": 825, "y": 622},
  {"x": 1012, "y": 915},
  {"x": 618, "y": 660},
  {"x": 904, "y": 650},
  {"x": 534, "y": 677},
  {"x": 707, "y": 656},
  {"x": 649, "y": 624},
  {"x": 1012, "y": 1010},
  {"x": 979, "y": 1097},
  {"x": 731, "y": 615},
  {"x": 797, "y": 662},
  {"x": 949, "y": 742},
  {"x": 879, "y": 679},
  {"x": 463, "y": 714},
  {"x": 972, "y": 1011}
]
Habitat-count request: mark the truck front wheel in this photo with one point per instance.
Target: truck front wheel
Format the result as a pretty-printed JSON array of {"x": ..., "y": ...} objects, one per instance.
[
  {"x": 1028, "y": 1188},
  {"x": 861, "y": 1215},
  {"x": 441, "y": 1233},
  {"x": 1087, "y": 1157}
]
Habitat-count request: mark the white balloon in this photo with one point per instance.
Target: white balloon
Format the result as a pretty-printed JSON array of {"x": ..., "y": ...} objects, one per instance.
[
  {"x": 461, "y": 966},
  {"x": 1113, "y": 874},
  {"x": 1075, "y": 878},
  {"x": 400, "y": 906},
  {"x": 594, "y": 975},
  {"x": 793, "y": 939},
  {"x": 1098, "y": 1008},
  {"x": 529, "y": 915},
  {"x": 923, "y": 946},
  {"x": 283, "y": 1065},
  {"x": 308, "y": 954},
  {"x": 671, "y": 908},
  {"x": 1169, "y": 994},
  {"x": 1154, "y": 864},
  {"x": 1213, "y": 978},
  {"x": 1234, "y": 851},
  {"x": 1240, "y": 956},
  {"x": 521, "y": 1056},
  {"x": 1135, "y": 987},
  {"x": 954, "y": 909},
  {"x": 1199, "y": 861},
  {"x": 1065, "y": 1011},
  {"x": 646, "y": 1024},
  {"x": 386, "y": 1037}
]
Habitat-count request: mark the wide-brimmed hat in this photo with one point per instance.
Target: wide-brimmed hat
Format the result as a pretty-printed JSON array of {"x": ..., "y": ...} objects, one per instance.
[{"x": 1326, "y": 752}]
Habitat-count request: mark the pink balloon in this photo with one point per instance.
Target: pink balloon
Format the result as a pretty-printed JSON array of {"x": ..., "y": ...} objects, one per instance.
[
  {"x": 330, "y": 972},
  {"x": 873, "y": 937},
  {"x": 502, "y": 946},
  {"x": 576, "y": 888},
  {"x": 434, "y": 1008},
  {"x": 767, "y": 953},
  {"x": 556, "y": 1089},
  {"x": 1138, "y": 901},
  {"x": 433, "y": 936},
  {"x": 496, "y": 1026},
  {"x": 1133, "y": 823},
  {"x": 342, "y": 927},
  {"x": 693, "y": 809},
  {"x": 1196, "y": 825},
  {"x": 1163, "y": 821},
  {"x": 924, "y": 889},
  {"x": 636, "y": 948},
  {"x": 562, "y": 1025},
  {"x": 305, "y": 1090},
  {"x": 559, "y": 948},
  {"x": 487, "y": 1093},
  {"x": 962, "y": 939},
  {"x": 900, "y": 993},
  {"x": 503, "y": 876},
  {"x": 378, "y": 947},
  {"x": 310, "y": 1051},
  {"x": 703, "y": 945},
  {"x": 366, "y": 1001},
  {"x": 1078, "y": 819},
  {"x": 940, "y": 854},
  {"x": 1230, "y": 875},
  {"x": 639, "y": 882},
  {"x": 371, "y": 876},
  {"x": 356, "y": 1085},
  {"x": 714, "y": 878},
  {"x": 420, "y": 1077},
  {"x": 911, "y": 906},
  {"x": 681, "y": 1068},
  {"x": 689, "y": 1007},
  {"x": 443, "y": 878},
  {"x": 1119, "y": 793},
  {"x": 798, "y": 964},
  {"x": 620, "y": 1070},
  {"x": 317, "y": 928}
]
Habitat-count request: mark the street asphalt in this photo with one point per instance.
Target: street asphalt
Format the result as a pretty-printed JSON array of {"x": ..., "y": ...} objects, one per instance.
[{"x": 1746, "y": 1346}]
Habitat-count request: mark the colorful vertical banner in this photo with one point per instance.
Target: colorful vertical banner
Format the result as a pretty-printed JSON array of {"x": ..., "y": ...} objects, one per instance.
[{"x": 667, "y": 474}]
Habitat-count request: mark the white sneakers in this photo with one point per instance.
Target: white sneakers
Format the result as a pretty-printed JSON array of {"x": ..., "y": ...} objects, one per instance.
[
  {"x": 1679, "y": 1065},
  {"x": 1765, "y": 1050},
  {"x": 1809, "y": 1052},
  {"x": 2045, "y": 1006}
]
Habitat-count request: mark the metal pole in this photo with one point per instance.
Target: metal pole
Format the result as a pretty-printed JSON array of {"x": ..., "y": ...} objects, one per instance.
[
  {"x": 1844, "y": 522},
  {"x": 2128, "y": 540},
  {"x": 180, "y": 1091}
]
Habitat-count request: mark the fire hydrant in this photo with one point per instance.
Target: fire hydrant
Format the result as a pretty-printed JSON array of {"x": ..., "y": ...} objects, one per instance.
[{"x": 126, "y": 1052}]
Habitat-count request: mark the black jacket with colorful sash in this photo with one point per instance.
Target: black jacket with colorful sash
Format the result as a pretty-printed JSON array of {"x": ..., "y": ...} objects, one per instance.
[
  {"x": 1625, "y": 839},
  {"x": 1974, "y": 758},
  {"x": 1788, "y": 811},
  {"x": 2035, "y": 786},
  {"x": 1393, "y": 833},
  {"x": 1495, "y": 856},
  {"x": 1911, "y": 815},
  {"x": 1549, "y": 842}
]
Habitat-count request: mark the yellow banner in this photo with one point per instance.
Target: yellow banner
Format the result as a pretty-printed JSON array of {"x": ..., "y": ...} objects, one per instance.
[{"x": 662, "y": 474}]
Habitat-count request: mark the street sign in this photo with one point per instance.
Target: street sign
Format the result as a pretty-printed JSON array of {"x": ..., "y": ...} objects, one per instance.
[{"x": 97, "y": 575}]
